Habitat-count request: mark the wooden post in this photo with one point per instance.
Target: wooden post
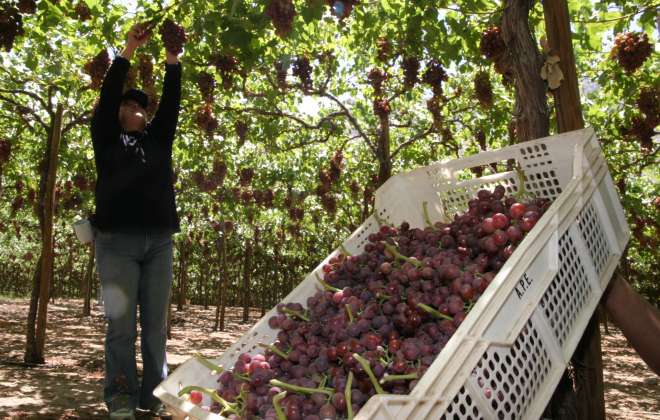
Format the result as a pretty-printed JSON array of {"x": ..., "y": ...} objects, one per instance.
[{"x": 587, "y": 359}]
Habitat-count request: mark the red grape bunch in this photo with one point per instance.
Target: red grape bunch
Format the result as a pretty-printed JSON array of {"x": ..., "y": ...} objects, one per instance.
[
  {"x": 173, "y": 35},
  {"x": 434, "y": 76},
  {"x": 241, "y": 129},
  {"x": 303, "y": 70},
  {"x": 282, "y": 13},
  {"x": 5, "y": 151},
  {"x": 379, "y": 319},
  {"x": 376, "y": 78},
  {"x": 206, "y": 85},
  {"x": 28, "y": 7},
  {"x": 11, "y": 25},
  {"x": 82, "y": 12},
  {"x": 492, "y": 45},
  {"x": 648, "y": 103},
  {"x": 631, "y": 49},
  {"x": 96, "y": 68},
  {"x": 146, "y": 70},
  {"x": 205, "y": 119},
  {"x": 382, "y": 107},
  {"x": 384, "y": 48},
  {"x": 483, "y": 89},
  {"x": 410, "y": 71},
  {"x": 226, "y": 65},
  {"x": 245, "y": 176}
]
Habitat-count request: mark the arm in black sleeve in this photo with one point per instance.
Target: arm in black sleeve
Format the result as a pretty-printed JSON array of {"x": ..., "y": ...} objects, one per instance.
[
  {"x": 166, "y": 118},
  {"x": 106, "y": 114}
]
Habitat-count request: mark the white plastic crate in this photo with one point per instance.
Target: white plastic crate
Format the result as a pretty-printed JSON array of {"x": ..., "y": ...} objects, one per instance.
[{"x": 507, "y": 357}]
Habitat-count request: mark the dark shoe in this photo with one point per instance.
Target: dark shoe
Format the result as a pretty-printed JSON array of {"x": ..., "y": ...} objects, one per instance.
[{"x": 160, "y": 411}]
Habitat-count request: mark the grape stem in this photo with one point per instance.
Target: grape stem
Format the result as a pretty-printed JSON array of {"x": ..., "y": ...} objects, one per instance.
[
  {"x": 295, "y": 313},
  {"x": 427, "y": 219},
  {"x": 274, "y": 350},
  {"x": 398, "y": 255},
  {"x": 301, "y": 389},
  {"x": 347, "y": 396},
  {"x": 367, "y": 368},
  {"x": 227, "y": 406},
  {"x": 215, "y": 369},
  {"x": 388, "y": 378},
  {"x": 434, "y": 312},
  {"x": 325, "y": 285},
  {"x": 279, "y": 413},
  {"x": 522, "y": 189},
  {"x": 349, "y": 312}
]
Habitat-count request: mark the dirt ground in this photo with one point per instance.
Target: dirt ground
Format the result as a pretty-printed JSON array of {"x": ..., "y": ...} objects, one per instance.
[{"x": 70, "y": 384}]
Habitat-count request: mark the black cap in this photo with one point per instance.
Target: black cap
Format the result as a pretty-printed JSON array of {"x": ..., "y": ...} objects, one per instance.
[{"x": 136, "y": 95}]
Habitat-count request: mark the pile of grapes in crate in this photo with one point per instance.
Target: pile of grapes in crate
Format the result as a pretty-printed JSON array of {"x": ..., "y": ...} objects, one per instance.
[{"x": 379, "y": 318}]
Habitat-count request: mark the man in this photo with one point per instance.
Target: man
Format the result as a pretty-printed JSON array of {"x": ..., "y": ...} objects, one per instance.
[{"x": 134, "y": 222}]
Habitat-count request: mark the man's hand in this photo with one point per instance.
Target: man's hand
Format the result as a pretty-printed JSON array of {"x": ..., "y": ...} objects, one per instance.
[
  {"x": 171, "y": 58},
  {"x": 137, "y": 36}
]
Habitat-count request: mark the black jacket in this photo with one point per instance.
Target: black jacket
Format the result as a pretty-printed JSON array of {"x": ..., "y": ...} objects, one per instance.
[{"x": 134, "y": 190}]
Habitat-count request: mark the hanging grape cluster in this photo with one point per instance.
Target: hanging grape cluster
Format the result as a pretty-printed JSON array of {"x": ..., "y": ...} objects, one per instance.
[
  {"x": 303, "y": 70},
  {"x": 82, "y": 12},
  {"x": 382, "y": 107},
  {"x": 245, "y": 176},
  {"x": 376, "y": 78},
  {"x": 206, "y": 85},
  {"x": 642, "y": 127},
  {"x": 492, "y": 45},
  {"x": 631, "y": 49},
  {"x": 648, "y": 104},
  {"x": 434, "y": 76},
  {"x": 146, "y": 70},
  {"x": 241, "y": 129},
  {"x": 173, "y": 35},
  {"x": 28, "y": 7},
  {"x": 227, "y": 66},
  {"x": 483, "y": 89},
  {"x": 5, "y": 151},
  {"x": 410, "y": 71},
  {"x": 384, "y": 48},
  {"x": 11, "y": 25},
  {"x": 96, "y": 68},
  {"x": 205, "y": 119},
  {"x": 281, "y": 13}
]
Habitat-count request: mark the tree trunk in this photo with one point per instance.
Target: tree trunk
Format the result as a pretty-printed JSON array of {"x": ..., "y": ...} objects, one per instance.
[
  {"x": 587, "y": 359},
  {"x": 383, "y": 151},
  {"x": 567, "y": 96},
  {"x": 30, "y": 339},
  {"x": 47, "y": 237},
  {"x": 524, "y": 61},
  {"x": 220, "y": 245},
  {"x": 87, "y": 283},
  {"x": 247, "y": 271}
]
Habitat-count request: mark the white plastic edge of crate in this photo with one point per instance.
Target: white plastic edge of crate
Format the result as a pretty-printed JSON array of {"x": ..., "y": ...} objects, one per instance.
[{"x": 192, "y": 372}]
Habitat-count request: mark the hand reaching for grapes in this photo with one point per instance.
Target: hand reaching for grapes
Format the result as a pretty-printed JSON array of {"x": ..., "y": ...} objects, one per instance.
[{"x": 136, "y": 37}]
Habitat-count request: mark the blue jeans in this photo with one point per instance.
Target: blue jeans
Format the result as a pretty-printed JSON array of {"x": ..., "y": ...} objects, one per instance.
[{"x": 135, "y": 269}]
